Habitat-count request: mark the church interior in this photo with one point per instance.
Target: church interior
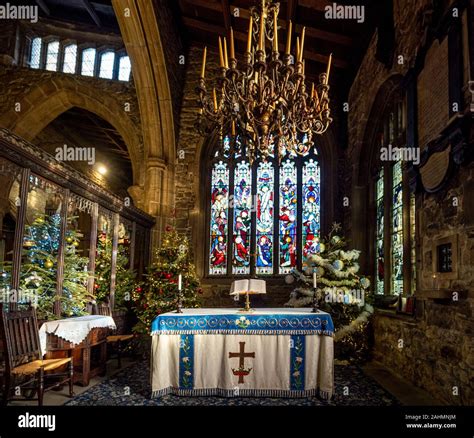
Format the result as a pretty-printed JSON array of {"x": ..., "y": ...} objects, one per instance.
[{"x": 237, "y": 202}]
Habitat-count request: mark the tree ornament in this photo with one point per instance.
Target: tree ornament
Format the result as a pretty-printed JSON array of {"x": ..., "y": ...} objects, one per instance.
[
  {"x": 335, "y": 240},
  {"x": 69, "y": 239},
  {"x": 338, "y": 265},
  {"x": 48, "y": 264},
  {"x": 322, "y": 247}
]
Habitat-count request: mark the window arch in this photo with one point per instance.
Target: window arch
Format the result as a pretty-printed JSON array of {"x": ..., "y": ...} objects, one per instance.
[
  {"x": 264, "y": 217},
  {"x": 394, "y": 206}
]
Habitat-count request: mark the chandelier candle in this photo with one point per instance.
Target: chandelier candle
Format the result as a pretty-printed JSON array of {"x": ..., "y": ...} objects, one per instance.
[{"x": 265, "y": 104}]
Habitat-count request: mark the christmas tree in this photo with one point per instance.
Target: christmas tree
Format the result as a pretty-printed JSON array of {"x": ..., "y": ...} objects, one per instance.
[
  {"x": 124, "y": 277},
  {"x": 340, "y": 292},
  {"x": 159, "y": 292},
  {"x": 39, "y": 268}
]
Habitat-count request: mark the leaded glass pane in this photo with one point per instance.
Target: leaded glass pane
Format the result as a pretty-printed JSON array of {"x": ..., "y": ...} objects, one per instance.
[
  {"x": 379, "y": 246},
  {"x": 70, "y": 57},
  {"x": 397, "y": 229},
  {"x": 88, "y": 62},
  {"x": 311, "y": 218},
  {"x": 52, "y": 56},
  {"x": 265, "y": 188},
  {"x": 219, "y": 215},
  {"x": 107, "y": 65},
  {"x": 242, "y": 203},
  {"x": 288, "y": 216},
  {"x": 35, "y": 56},
  {"x": 125, "y": 68},
  {"x": 413, "y": 242}
]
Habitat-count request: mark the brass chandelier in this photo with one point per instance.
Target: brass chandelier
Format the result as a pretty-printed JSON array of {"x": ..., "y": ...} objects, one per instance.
[{"x": 263, "y": 101}]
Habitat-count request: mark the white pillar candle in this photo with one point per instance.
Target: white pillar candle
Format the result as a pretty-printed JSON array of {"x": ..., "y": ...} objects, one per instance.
[
  {"x": 180, "y": 278},
  {"x": 314, "y": 278}
]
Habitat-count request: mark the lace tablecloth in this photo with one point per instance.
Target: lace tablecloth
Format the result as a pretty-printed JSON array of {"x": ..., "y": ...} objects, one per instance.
[{"x": 74, "y": 330}]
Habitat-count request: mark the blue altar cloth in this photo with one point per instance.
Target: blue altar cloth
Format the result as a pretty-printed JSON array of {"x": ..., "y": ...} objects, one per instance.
[{"x": 289, "y": 321}]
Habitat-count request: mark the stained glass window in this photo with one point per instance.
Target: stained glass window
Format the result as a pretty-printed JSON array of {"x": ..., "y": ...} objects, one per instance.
[
  {"x": 35, "y": 56},
  {"x": 107, "y": 60},
  {"x": 52, "y": 56},
  {"x": 219, "y": 214},
  {"x": 288, "y": 216},
  {"x": 397, "y": 229},
  {"x": 270, "y": 204},
  {"x": 265, "y": 218},
  {"x": 125, "y": 68},
  {"x": 413, "y": 241},
  {"x": 311, "y": 219},
  {"x": 242, "y": 204},
  {"x": 379, "y": 233},
  {"x": 88, "y": 62},
  {"x": 70, "y": 57}
]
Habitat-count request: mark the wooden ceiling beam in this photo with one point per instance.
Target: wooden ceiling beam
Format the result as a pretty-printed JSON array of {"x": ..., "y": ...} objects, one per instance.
[
  {"x": 44, "y": 7},
  {"x": 91, "y": 11},
  {"x": 241, "y": 36}
]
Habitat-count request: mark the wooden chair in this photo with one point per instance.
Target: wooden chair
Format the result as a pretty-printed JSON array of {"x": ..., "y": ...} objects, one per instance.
[
  {"x": 115, "y": 340},
  {"x": 23, "y": 359}
]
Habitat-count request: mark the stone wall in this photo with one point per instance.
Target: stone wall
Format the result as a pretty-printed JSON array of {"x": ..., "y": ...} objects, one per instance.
[
  {"x": 437, "y": 350},
  {"x": 438, "y": 345}
]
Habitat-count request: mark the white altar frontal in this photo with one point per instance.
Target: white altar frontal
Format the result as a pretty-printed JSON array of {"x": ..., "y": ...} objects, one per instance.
[{"x": 224, "y": 352}]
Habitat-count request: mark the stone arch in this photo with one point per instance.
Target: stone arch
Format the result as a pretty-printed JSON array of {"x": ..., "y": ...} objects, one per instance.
[
  {"x": 48, "y": 100},
  {"x": 141, "y": 36},
  {"x": 363, "y": 156},
  {"x": 381, "y": 100}
]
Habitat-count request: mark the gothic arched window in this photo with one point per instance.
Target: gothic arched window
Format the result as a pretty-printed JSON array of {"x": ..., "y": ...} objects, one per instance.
[
  {"x": 264, "y": 217},
  {"x": 394, "y": 206}
]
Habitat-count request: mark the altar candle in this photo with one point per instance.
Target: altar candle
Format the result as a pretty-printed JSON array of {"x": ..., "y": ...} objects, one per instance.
[
  {"x": 221, "y": 53},
  {"x": 262, "y": 33},
  {"x": 249, "y": 40},
  {"x": 314, "y": 278},
  {"x": 288, "y": 39},
  {"x": 302, "y": 44},
  {"x": 232, "y": 48},
  {"x": 180, "y": 280},
  {"x": 275, "y": 32},
  {"x": 226, "y": 61},
  {"x": 329, "y": 69},
  {"x": 203, "y": 69}
]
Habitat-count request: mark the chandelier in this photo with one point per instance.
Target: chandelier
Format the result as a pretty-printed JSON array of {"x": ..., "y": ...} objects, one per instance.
[{"x": 263, "y": 100}]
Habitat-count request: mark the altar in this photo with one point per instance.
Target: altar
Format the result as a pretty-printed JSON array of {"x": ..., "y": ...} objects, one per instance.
[{"x": 224, "y": 352}]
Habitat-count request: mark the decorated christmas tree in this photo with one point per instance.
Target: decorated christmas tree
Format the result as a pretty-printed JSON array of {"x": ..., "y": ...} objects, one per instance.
[
  {"x": 159, "y": 291},
  {"x": 340, "y": 291},
  {"x": 39, "y": 268},
  {"x": 124, "y": 277}
]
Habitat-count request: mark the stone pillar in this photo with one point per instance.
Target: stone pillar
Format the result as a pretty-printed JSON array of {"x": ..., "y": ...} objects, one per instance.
[
  {"x": 359, "y": 227},
  {"x": 155, "y": 196}
]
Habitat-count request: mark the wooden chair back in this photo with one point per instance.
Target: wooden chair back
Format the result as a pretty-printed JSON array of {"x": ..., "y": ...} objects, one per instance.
[
  {"x": 104, "y": 309},
  {"x": 20, "y": 336}
]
